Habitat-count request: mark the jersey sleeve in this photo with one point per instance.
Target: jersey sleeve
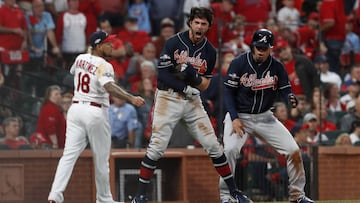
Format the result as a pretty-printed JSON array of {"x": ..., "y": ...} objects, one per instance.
[
  {"x": 210, "y": 64},
  {"x": 231, "y": 84},
  {"x": 166, "y": 68},
  {"x": 105, "y": 73},
  {"x": 232, "y": 77},
  {"x": 166, "y": 58},
  {"x": 73, "y": 66}
]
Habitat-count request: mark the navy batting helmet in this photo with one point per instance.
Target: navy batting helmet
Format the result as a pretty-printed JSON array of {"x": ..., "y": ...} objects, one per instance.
[{"x": 263, "y": 38}]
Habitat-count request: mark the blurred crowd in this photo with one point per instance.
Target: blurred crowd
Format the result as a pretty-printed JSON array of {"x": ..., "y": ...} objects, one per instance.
[{"x": 317, "y": 41}]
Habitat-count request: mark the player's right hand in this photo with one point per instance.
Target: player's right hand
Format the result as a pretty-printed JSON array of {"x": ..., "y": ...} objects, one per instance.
[
  {"x": 191, "y": 92},
  {"x": 137, "y": 101},
  {"x": 238, "y": 127}
]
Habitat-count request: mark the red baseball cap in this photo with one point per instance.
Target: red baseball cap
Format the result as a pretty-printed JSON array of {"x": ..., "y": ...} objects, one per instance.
[
  {"x": 37, "y": 138},
  {"x": 313, "y": 16},
  {"x": 280, "y": 44},
  {"x": 305, "y": 126}
]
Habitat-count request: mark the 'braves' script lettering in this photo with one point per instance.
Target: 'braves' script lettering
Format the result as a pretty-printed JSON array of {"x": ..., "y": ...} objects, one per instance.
[
  {"x": 259, "y": 83},
  {"x": 197, "y": 62}
]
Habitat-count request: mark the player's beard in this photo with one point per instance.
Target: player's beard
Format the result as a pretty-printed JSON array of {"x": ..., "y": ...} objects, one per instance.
[
  {"x": 196, "y": 36},
  {"x": 107, "y": 54}
]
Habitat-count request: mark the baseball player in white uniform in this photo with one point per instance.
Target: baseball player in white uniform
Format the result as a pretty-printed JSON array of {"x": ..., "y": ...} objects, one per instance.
[{"x": 88, "y": 119}]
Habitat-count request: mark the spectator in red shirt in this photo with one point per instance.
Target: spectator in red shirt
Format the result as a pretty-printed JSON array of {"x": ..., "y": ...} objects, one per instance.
[
  {"x": 147, "y": 71},
  {"x": 38, "y": 141},
  {"x": 13, "y": 36},
  {"x": 255, "y": 12},
  {"x": 133, "y": 35},
  {"x": 281, "y": 112},
  {"x": 223, "y": 16},
  {"x": 324, "y": 119},
  {"x": 332, "y": 96},
  {"x": 133, "y": 73},
  {"x": 307, "y": 36},
  {"x": 91, "y": 9},
  {"x": 51, "y": 121},
  {"x": 13, "y": 28},
  {"x": 114, "y": 11},
  {"x": 240, "y": 39},
  {"x": 119, "y": 58},
  {"x": 12, "y": 126},
  {"x": 303, "y": 76},
  {"x": 332, "y": 27}
]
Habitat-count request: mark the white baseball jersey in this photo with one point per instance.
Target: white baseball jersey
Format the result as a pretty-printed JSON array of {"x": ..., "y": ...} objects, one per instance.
[
  {"x": 87, "y": 122},
  {"x": 91, "y": 73}
]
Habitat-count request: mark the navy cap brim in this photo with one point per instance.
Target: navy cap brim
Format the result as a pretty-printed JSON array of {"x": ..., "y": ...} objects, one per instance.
[{"x": 263, "y": 45}]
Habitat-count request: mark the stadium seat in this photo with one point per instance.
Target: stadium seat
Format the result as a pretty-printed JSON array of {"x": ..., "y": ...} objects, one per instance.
[
  {"x": 333, "y": 134},
  {"x": 357, "y": 143}
]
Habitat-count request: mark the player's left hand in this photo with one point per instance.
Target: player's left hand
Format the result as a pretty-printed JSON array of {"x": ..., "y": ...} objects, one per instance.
[
  {"x": 293, "y": 100},
  {"x": 238, "y": 127},
  {"x": 137, "y": 101},
  {"x": 191, "y": 92}
]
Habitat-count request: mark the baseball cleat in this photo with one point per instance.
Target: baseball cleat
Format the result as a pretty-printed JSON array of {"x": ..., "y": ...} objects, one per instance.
[
  {"x": 139, "y": 199},
  {"x": 238, "y": 197},
  {"x": 225, "y": 201},
  {"x": 303, "y": 199},
  {"x": 52, "y": 201}
]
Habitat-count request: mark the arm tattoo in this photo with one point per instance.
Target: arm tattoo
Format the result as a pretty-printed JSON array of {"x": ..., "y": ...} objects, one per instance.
[{"x": 117, "y": 91}]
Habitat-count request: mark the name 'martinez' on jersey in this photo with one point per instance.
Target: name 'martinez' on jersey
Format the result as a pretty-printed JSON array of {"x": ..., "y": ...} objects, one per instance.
[{"x": 89, "y": 67}]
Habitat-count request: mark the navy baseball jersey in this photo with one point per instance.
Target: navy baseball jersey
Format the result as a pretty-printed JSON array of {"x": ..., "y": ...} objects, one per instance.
[
  {"x": 251, "y": 87},
  {"x": 180, "y": 50}
]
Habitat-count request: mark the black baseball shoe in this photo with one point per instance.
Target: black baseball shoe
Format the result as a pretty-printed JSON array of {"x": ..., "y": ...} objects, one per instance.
[
  {"x": 303, "y": 199},
  {"x": 238, "y": 197},
  {"x": 139, "y": 199}
]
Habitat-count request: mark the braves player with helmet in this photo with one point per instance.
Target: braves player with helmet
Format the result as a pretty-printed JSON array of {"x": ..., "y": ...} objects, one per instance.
[
  {"x": 185, "y": 67},
  {"x": 252, "y": 83},
  {"x": 88, "y": 118}
]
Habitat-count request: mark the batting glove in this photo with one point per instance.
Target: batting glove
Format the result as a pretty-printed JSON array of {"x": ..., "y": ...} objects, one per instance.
[
  {"x": 191, "y": 93},
  {"x": 293, "y": 100},
  {"x": 190, "y": 72}
]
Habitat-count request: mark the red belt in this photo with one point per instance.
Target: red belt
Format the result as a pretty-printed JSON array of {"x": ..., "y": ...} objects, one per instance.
[{"x": 91, "y": 103}]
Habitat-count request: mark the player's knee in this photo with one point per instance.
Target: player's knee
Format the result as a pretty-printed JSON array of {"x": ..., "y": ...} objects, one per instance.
[
  {"x": 214, "y": 150},
  {"x": 155, "y": 155}
]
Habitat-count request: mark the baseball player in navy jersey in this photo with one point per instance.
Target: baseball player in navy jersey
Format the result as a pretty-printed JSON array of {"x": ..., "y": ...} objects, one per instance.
[
  {"x": 88, "y": 118},
  {"x": 252, "y": 83},
  {"x": 185, "y": 67}
]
